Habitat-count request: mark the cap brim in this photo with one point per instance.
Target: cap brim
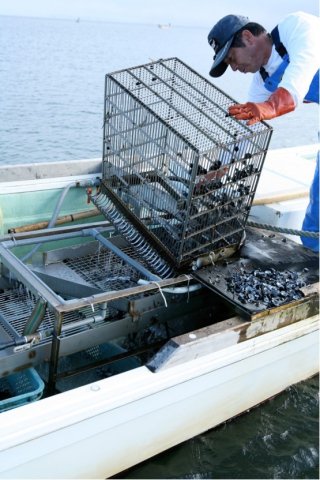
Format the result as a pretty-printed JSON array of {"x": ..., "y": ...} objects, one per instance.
[{"x": 219, "y": 66}]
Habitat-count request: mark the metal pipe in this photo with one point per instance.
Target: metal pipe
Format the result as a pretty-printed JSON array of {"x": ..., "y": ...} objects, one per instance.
[
  {"x": 98, "y": 236},
  {"x": 85, "y": 321},
  {"x": 55, "y": 349},
  {"x": 8, "y": 244},
  {"x": 21, "y": 341},
  {"x": 85, "y": 233},
  {"x": 71, "y": 217},
  {"x": 32, "y": 281},
  {"x": 83, "y": 183},
  {"x": 70, "y": 305}
]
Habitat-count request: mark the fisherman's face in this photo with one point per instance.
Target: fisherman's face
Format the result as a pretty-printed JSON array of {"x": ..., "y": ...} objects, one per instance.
[{"x": 247, "y": 59}]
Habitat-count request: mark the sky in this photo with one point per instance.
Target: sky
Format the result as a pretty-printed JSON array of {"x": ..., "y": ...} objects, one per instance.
[{"x": 177, "y": 12}]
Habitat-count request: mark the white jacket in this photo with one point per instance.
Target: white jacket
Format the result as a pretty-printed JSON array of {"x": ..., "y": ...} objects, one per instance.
[{"x": 300, "y": 34}]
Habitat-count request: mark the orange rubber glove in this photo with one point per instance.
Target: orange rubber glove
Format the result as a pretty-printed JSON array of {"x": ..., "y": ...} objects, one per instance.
[{"x": 279, "y": 103}]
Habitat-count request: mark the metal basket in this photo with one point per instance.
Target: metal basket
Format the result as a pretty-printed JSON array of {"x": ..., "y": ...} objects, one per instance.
[{"x": 175, "y": 165}]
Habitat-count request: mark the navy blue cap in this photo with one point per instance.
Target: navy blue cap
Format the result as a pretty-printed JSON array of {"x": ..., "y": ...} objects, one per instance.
[{"x": 221, "y": 37}]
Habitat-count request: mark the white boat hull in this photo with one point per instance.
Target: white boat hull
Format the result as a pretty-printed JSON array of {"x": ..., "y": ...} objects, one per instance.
[{"x": 106, "y": 427}]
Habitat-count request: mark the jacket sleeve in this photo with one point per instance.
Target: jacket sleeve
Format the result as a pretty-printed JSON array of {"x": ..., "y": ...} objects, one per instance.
[{"x": 300, "y": 34}]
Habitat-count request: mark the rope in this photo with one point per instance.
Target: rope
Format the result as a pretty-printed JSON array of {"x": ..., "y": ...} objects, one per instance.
[
  {"x": 289, "y": 231},
  {"x": 162, "y": 294},
  {"x": 188, "y": 285}
]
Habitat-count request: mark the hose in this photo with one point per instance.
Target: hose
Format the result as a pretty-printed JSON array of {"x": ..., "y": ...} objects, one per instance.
[
  {"x": 85, "y": 183},
  {"x": 175, "y": 290},
  {"x": 35, "y": 318}
]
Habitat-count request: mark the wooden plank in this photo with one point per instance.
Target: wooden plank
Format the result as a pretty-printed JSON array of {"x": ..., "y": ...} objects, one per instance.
[
  {"x": 298, "y": 310},
  {"x": 233, "y": 331}
]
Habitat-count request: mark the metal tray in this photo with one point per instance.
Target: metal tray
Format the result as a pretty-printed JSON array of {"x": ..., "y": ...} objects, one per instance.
[{"x": 263, "y": 251}]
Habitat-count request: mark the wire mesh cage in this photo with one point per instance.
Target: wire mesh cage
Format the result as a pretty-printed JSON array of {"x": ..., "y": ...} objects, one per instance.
[{"x": 176, "y": 166}]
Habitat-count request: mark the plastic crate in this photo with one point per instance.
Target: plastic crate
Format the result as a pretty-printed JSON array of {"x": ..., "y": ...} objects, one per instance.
[
  {"x": 178, "y": 168},
  {"x": 20, "y": 388},
  {"x": 82, "y": 364}
]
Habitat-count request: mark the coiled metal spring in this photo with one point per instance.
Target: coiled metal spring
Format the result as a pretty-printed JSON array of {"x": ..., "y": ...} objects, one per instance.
[{"x": 129, "y": 232}]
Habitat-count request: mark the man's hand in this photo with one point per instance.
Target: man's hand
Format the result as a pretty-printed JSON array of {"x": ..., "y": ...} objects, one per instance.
[{"x": 279, "y": 103}]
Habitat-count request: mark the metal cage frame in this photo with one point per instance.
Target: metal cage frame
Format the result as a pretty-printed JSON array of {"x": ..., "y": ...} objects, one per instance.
[{"x": 176, "y": 166}]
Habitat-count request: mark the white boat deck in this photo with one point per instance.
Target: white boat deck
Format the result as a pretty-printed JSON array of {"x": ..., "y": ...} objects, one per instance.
[
  {"x": 282, "y": 195},
  {"x": 281, "y": 198},
  {"x": 287, "y": 170}
]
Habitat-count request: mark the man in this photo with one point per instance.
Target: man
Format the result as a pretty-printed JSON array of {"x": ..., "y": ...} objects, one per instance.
[{"x": 286, "y": 66}]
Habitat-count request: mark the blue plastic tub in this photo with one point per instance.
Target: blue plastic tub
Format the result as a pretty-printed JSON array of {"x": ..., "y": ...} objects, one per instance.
[{"x": 20, "y": 388}]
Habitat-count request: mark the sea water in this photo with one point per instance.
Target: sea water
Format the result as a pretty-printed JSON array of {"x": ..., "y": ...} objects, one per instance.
[
  {"x": 51, "y": 109},
  {"x": 52, "y": 83}
]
